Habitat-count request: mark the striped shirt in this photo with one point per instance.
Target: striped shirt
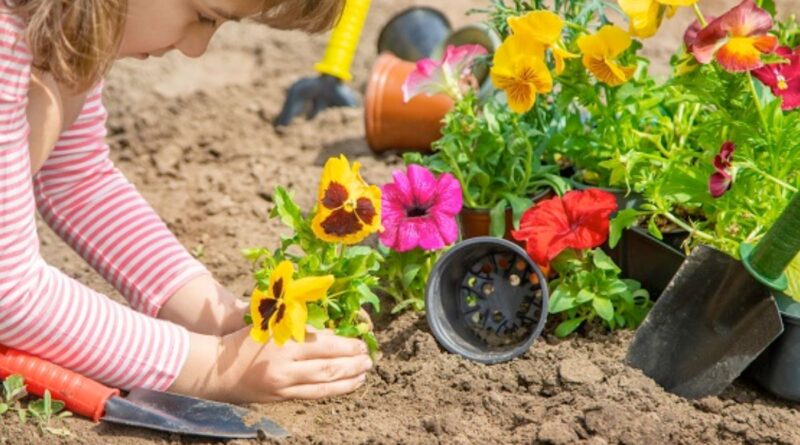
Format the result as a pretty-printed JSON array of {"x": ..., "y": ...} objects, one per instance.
[{"x": 90, "y": 204}]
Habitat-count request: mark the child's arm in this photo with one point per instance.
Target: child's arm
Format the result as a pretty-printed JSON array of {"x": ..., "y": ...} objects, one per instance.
[
  {"x": 42, "y": 311},
  {"x": 90, "y": 204}
]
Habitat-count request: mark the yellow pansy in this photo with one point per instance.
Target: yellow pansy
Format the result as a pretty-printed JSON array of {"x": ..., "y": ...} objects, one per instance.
[
  {"x": 348, "y": 209},
  {"x": 600, "y": 53},
  {"x": 280, "y": 313},
  {"x": 545, "y": 28},
  {"x": 518, "y": 68},
  {"x": 645, "y": 16}
]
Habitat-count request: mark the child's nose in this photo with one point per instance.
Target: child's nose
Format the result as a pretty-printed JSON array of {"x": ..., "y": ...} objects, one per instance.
[{"x": 195, "y": 41}]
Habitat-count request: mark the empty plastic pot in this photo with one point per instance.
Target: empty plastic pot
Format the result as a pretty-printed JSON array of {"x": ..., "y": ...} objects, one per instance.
[
  {"x": 486, "y": 300},
  {"x": 414, "y": 34}
]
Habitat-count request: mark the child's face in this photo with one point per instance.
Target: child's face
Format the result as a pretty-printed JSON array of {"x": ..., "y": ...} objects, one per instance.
[{"x": 153, "y": 28}]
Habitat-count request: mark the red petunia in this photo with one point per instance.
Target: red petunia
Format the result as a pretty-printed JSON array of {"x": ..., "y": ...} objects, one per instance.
[
  {"x": 720, "y": 181},
  {"x": 783, "y": 78},
  {"x": 578, "y": 220}
]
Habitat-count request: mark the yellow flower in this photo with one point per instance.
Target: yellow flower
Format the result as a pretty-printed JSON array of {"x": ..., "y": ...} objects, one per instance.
[
  {"x": 518, "y": 68},
  {"x": 645, "y": 16},
  {"x": 348, "y": 209},
  {"x": 280, "y": 313},
  {"x": 545, "y": 28},
  {"x": 600, "y": 52}
]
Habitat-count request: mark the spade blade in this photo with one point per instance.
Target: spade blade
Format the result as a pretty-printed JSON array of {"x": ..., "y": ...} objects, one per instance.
[
  {"x": 187, "y": 415},
  {"x": 711, "y": 322}
]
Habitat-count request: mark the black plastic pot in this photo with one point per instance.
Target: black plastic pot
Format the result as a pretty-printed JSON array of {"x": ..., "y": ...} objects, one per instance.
[
  {"x": 486, "y": 300},
  {"x": 777, "y": 369},
  {"x": 647, "y": 260},
  {"x": 414, "y": 34}
]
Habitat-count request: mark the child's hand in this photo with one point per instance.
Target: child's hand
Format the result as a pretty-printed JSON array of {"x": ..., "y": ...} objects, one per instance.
[{"x": 245, "y": 371}]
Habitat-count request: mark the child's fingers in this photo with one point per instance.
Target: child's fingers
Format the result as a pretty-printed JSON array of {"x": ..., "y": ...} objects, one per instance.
[
  {"x": 329, "y": 346},
  {"x": 328, "y": 370},
  {"x": 320, "y": 390}
]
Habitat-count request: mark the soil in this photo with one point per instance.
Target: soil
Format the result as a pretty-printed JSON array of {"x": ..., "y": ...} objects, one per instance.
[{"x": 195, "y": 137}]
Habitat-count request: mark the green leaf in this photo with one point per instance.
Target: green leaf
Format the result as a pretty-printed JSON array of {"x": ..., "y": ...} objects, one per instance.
[
  {"x": 625, "y": 219},
  {"x": 568, "y": 327},
  {"x": 14, "y": 388},
  {"x": 497, "y": 215},
  {"x": 368, "y": 297},
  {"x": 769, "y": 6},
  {"x": 604, "y": 308},
  {"x": 603, "y": 261},
  {"x": 518, "y": 207},
  {"x": 317, "y": 316},
  {"x": 410, "y": 272},
  {"x": 372, "y": 343},
  {"x": 652, "y": 227},
  {"x": 248, "y": 318},
  {"x": 286, "y": 208},
  {"x": 561, "y": 301},
  {"x": 585, "y": 296},
  {"x": 347, "y": 331}
]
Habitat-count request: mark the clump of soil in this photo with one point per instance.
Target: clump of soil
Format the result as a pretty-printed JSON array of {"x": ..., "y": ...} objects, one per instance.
[{"x": 195, "y": 136}]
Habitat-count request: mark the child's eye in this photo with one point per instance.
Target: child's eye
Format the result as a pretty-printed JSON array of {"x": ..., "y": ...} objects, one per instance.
[{"x": 207, "y": 20}]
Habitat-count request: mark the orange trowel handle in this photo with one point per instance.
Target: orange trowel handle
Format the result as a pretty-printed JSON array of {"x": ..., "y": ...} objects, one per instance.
[{"x": 80, "y": 394}]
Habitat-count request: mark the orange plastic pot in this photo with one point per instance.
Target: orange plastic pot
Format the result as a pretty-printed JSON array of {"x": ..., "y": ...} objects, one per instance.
[{"x": 392, "y": 124}]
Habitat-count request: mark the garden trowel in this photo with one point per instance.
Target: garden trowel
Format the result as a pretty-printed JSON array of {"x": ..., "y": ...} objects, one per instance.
[
  {"x": 314, "y": 94},
  {"x": 717, "y": 314},
  {"x": 144, "y": 408}
]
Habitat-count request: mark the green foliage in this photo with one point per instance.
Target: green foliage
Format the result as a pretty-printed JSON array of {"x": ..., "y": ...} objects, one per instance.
[
  {"x": 589, "y": 289},
  {"x": 41, "y": 411},
  {"x": 404, "y": 276},
  {"x": 495, "y": 155},
  {"x": 354, "y": 268}
]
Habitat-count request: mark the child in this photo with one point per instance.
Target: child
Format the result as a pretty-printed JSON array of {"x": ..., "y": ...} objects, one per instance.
[{"x": 52, "y": 156}]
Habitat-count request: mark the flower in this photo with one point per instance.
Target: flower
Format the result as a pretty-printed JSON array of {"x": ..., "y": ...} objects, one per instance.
[
  {"x": 445, "y": 76},
  {"x": 645, "y": 16},
  {"x": 578, "y": 220},
  {"x": 600, "y": 52},
  {"x": 419, "y": 210},
  {"x": 720, "y": 181},
  {"x": 545, "y": 28},
  {"x": 518, "y": 68},
  {"x": 280, "y": 313},
  {"x": 737, "y": 39},
  {"x": 348, "y": 209},
  {"x": 783, "y": 78}
]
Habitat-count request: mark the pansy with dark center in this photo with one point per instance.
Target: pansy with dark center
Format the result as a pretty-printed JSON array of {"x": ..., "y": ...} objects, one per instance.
[
  {"x": 348, "y": 209},
  {"x": 280, "y": 313}
]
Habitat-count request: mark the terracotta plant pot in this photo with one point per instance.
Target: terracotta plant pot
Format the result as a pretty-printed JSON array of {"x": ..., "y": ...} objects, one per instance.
[
  {"x": 414, "y": 34},
  {"x": 477, "y": 222},
  {"x": 392, "y": 124}
]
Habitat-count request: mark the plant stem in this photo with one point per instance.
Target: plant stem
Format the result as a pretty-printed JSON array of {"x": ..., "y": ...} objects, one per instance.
[
  {"x": 675, "y": 220},
  {"x": 757, "y": 100},
  {"x": 700, "y": 17},
  {"x": 777, "y": 181}
]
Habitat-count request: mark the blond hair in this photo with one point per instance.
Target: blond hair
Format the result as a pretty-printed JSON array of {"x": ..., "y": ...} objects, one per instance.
[{"x": 77, "y": 40}]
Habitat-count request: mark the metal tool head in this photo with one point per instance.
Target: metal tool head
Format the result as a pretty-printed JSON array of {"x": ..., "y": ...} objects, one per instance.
[
  {"x": 711, "y": 322},
  {"x": 311, "y": 95},
  {"x": 179, "y": 414}
]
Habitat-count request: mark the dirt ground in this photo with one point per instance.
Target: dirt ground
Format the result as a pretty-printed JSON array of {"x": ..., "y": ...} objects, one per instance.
[{"x": 195, "y": 137}]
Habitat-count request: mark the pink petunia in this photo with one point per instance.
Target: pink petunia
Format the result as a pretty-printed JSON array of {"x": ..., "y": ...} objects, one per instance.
[
  {"x": 720, "y": 181},
  {"x": 420, "y": 210},
  {"x": 783, "y": 78},
  {"x": 444, "y": 76},
  {"x": 736, "y": 39}
]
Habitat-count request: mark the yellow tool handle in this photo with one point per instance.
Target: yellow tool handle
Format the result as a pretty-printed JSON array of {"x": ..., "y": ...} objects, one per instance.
[{"x": 341, "y": 48}]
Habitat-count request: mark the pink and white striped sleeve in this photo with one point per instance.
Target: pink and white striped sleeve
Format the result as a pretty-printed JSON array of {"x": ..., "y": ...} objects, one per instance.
[
  {"x": 97, "y": 211},
  {"x": 43, "y": 311}
]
